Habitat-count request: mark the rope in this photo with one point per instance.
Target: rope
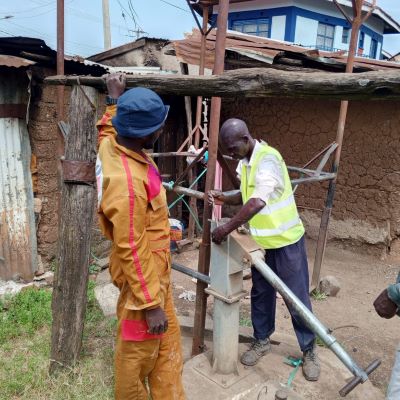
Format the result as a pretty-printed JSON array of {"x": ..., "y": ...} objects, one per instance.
[{"x": 294, "y": 362}]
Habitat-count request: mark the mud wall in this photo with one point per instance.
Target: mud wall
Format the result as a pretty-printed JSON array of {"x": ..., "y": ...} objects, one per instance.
[{"x": 367, "y": 201}]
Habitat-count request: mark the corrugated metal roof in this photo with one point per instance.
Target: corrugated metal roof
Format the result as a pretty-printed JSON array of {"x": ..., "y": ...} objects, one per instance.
[
  {"x": 270, "y": 52},
  {"x": 17, "y": 226},
  {"x": 14, "y": 62}
]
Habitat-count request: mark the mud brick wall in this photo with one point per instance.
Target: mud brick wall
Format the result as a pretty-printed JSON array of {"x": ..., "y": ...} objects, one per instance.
[
  {"x": 367, "y": 201},
  {"x": 44, "y": 135}
]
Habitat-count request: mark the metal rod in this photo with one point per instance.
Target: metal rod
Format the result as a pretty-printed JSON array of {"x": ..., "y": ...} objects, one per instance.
[
  {"x": 60, "y": 58},
  {"x": 184, "y": 191},
  {"x": 323, "y": 230},
  {"x": 308, "y": 318},
  {"x": 191, "y": 165},
  {"x": 190, "y": 272},
  {"x": 193, "y": 201},
  {"x": 204, "y": 255}
]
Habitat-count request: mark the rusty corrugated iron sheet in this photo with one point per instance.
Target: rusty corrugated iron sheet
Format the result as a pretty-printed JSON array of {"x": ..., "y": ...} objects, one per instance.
[
  {"x": 14, "y": 62},
  {"x": 270, "y": 51},
  {"x": 18, "y": 252}
]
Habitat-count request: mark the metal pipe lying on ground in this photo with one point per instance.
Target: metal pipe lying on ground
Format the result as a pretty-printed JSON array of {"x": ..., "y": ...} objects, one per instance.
[{"x": 315, "y": 325}]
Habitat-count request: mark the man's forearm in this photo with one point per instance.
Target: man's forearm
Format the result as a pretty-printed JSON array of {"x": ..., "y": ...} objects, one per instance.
[
  {"x": 233, "y": 198},
  {"x": 246, "y": 213}
]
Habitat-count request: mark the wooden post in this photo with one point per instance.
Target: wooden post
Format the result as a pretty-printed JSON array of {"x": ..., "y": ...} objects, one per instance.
[{"x": 77, "y": 208}]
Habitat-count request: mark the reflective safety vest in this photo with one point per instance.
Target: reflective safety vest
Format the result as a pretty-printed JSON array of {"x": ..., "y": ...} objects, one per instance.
[{"x": 278, "y": 223}]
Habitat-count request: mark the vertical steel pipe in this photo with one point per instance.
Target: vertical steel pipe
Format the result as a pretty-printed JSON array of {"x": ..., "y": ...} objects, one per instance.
[
  {"x": 204, "y": 255},
  {"x": 60, "y": 58}
]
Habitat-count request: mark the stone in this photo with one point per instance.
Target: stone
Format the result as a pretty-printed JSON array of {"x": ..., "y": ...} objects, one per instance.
[
  {"x": 107, "y": 297},
  {"x": 103, "y": 262},
  {"x": 329, "y": 285},
  {"x": 47, "y": 278}
]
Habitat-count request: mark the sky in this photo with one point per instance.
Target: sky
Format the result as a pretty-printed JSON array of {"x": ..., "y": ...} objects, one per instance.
[{"x": 168, "y": 19}]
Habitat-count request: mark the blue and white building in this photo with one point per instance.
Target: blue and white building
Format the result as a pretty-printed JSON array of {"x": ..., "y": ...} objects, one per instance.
[{"x": 310, "y": 23}]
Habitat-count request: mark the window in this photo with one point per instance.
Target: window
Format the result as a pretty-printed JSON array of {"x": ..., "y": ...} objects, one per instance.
[
  {"x": 345, "y": 35},
  {"x": 257, "y": 27},
  {"x": 361, "y": 40},
  {"x": 373, "y": 48},
  {"x": 325, "y": 36}
]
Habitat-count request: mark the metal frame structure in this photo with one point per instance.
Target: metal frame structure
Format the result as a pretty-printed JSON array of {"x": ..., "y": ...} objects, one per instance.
[{"x": 306, "y": 175}]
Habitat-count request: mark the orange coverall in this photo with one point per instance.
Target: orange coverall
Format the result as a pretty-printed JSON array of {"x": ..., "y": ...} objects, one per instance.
[{"x": 133, "y": 214}]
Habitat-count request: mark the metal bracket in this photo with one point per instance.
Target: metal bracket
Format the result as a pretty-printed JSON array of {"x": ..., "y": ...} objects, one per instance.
[
  {"x": 229, "y": 300},
  {"x": 78, "y": 172}
]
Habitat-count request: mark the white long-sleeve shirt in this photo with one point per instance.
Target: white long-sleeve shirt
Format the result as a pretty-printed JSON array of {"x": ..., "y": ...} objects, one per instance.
[{"x": 269, "y": 181}]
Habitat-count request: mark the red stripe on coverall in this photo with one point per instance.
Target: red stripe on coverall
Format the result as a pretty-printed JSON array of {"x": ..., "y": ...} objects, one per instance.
[{"x": 132, "y": 244}]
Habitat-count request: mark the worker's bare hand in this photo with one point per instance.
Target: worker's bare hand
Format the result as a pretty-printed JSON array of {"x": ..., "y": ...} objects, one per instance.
[
  {"x": 219, "y": 234},
  {"x": 116, "y": 84},
  {"x": 157, "y": 321},
  {"x": 216, "y": 197},
  {"x": 385, "y": 307}
]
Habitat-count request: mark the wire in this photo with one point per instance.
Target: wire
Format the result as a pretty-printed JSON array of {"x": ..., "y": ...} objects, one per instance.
[
  {"x": 174, "y": 5},
  {"x": 28, "y": 10},
  {"x": 51, "y": 38},
  {"x": 7, "y": 33}
]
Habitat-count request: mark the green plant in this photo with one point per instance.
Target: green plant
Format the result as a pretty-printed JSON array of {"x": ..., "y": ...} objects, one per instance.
[
  {"x": 319, "y": 342},
  {"x": 319, "y": 296},
  {"x": 25, "y": 313},
  {"x": 94, "y": 269}
]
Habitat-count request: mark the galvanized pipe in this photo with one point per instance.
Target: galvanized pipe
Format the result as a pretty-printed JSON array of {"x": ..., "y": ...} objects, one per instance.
[
  {"x": 191, "y": 272},
  {"x": 184, "y": 191},
  {"x": 308, "y": 317}
]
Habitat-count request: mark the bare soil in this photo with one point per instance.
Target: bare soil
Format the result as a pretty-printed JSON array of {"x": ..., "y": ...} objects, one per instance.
[{"x": 350, "y": 315}]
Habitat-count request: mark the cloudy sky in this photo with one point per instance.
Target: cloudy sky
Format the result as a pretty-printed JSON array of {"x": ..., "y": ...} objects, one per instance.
[{"x": 83, "y": 21}]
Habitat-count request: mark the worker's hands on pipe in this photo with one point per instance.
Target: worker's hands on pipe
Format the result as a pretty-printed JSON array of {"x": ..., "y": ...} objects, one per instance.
[
  {"x": 385, "y": 307},
  {"x": 219, "y": 234},
  {"x": 116, "y": 84},
  {"x": 157, "y": 321},
  {"x": 216, "y": 197}
]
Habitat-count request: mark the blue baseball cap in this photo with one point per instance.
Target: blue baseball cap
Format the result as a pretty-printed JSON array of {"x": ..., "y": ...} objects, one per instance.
[{"x": 140, "y": 112}]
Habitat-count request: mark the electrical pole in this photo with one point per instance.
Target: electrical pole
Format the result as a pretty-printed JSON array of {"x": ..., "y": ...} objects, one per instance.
[{"x": 106, "y": 25}]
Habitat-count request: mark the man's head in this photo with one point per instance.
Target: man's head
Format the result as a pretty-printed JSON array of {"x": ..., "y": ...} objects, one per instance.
[
  {"x": 141, "y": 115},
  {"x": 236, "y": 139}
]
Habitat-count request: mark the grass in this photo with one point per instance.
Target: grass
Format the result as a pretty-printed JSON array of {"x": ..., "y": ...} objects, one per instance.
[
  {"x": 319, "y": 296},
  {"x": 25, "y": 331}
]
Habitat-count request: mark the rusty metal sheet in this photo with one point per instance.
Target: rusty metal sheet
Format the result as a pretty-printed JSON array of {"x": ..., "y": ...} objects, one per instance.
[
  {"x": 78, "y": 172},
  {"x": 14, "y": 62},
  {"x": 18, "y": 252},
  {"x": 13, "y": 111},
  {"x": 262, "y": 49}
]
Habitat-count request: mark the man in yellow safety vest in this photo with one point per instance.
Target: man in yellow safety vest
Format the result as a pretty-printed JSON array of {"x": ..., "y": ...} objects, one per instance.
[{"x": 270, "y": 210}]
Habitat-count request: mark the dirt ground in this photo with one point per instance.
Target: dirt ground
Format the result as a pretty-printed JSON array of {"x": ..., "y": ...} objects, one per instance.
[{"x": 350, "y": 315}]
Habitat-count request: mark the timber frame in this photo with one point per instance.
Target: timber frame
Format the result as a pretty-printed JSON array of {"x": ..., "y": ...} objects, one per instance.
[{"x": 242, "y": 83}]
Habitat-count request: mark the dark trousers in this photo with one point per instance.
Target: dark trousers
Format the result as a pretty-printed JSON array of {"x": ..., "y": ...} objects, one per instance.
[{"x": 290, "y": 264}]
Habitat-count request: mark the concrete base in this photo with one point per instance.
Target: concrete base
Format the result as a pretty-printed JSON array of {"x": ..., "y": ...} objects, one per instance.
[{"x": 271, "y": 374}]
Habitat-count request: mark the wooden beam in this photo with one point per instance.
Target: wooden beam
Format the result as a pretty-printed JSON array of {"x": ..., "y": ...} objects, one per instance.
[
  {"x": 262, "y": 82},
  {"x": 77, "y": 209}
]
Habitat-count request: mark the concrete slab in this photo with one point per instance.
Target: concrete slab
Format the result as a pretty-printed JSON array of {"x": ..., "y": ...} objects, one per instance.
[{"x": 271, "y": 373}]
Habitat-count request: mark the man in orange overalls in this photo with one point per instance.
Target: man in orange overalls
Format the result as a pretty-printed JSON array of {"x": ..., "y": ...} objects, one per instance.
[{"x": 133, "y": 214}]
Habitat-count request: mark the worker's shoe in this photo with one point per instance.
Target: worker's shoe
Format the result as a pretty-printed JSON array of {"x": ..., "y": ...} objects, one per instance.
[
  {"x": 257, "y": 349},
  {"x": 311, "y": 366}
]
